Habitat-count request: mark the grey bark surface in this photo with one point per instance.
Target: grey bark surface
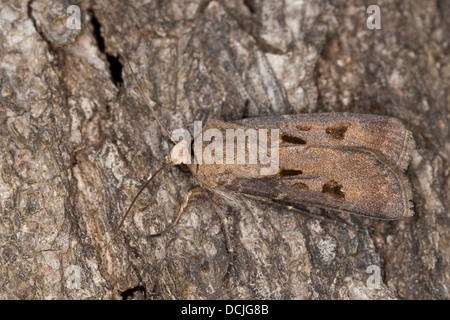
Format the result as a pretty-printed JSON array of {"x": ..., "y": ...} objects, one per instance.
[{"x": 77, "y": 141}]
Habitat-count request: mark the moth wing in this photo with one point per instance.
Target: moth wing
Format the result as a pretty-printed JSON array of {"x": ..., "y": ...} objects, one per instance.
[
  {"x": 344, "y": 179},
  {"x": 385, "y": 135}
]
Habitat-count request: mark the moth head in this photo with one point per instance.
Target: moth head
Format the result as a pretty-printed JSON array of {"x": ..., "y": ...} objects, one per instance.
[{"x": 179, "y": 154}]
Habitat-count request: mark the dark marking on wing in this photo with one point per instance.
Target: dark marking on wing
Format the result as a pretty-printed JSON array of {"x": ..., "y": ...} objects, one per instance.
[
  {"x": 289, "y": 173},
  {"x": 300, "y": 186},
  {"x": 303, "y": 127},
  {"x": 333, "y": 189},
  {"x": 337, "y": 132},
  {"x": 291, "y": 139}
]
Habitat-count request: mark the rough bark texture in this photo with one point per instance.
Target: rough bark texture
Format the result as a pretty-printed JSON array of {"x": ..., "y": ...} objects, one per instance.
[{"x": 77, "y": 141}]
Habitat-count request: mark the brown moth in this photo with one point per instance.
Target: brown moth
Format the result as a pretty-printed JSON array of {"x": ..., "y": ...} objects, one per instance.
[
  {"x": 345, "y": 162},
  {"x": 339, "y": 161}
]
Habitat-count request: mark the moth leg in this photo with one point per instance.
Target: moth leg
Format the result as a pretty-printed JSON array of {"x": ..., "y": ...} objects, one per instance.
[
  {"x": 194, "y": 191},
  {"x": 199, "y": 191},
  {"x": 226, "y": 233}
]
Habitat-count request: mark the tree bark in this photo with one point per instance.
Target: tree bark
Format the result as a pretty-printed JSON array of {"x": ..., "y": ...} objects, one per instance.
[{"x": 78, "y": 141}]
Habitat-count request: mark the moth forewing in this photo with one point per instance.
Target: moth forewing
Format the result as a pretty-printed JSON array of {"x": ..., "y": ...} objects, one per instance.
[
  {"x": 352, "y": 181},
  {"x": 385, "y": 135},
  {"x": 344, "y": 162}
]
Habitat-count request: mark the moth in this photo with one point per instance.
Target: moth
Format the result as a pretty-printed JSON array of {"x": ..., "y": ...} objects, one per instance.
[{"x": 343, "y": 162}]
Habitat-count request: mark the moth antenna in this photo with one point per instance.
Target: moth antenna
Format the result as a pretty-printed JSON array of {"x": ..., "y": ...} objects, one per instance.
[
  {"x": 137, "y": 195},
  {"x": 146, "y": 98}
]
